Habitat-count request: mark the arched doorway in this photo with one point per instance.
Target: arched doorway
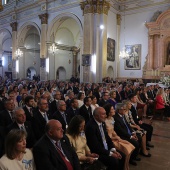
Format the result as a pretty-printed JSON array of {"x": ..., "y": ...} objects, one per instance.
[
  {"x": 61, "y": 73},
  {"x": 110, "y": 72},
  {"x": 31, "y": 72}
]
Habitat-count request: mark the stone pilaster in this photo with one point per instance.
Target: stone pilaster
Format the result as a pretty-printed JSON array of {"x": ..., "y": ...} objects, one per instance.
[
  {"x": 14, "y": 47},
  {"x": 1, "y": 7},
  {"x": 43, "y": 46},
  {"x": 75, "y": 52}
]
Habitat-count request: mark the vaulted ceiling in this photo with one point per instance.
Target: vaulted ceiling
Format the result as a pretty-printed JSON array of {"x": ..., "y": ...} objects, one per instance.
[{"x": 137, "y": 4}]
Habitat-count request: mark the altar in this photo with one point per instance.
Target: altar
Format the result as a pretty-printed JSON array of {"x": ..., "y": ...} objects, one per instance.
[{"x": 160, "y": 85}]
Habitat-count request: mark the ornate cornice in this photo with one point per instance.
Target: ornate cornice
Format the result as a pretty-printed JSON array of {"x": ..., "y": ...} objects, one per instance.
[
  {"x": 119, "y": 18},
  {"x": 14, "y": 26},
  {"x": 43, "y": 18},
  {"x": 95, "y": 6}
]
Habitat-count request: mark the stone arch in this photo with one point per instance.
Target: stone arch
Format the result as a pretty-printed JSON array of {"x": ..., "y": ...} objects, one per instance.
[
  {"x": 5, "y": 35},
  {"x": 110, "y": 72},
  {"x": 61, "y": 73},
  {"x": 58, "y": 20},
  {"x": 22, "y": 32}
]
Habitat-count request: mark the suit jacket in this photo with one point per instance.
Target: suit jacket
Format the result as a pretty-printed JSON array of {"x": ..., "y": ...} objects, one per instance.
[
  {"x": 28, "y": 114},
  {"x": 121, "y": 128},
  {"x": 53, "y": 107},
  {"x": 118, "y": 97},
  {"x": 46, "y": 155},
  {"x": 57, "y": 115},
  {"x": 134, "y": 115},
  {"x": 30, "y": 134},
  {"x": 85, "y": 113},
  {"x": 124, "y": 94},
  {"x": 151, "y": 94},
  {"x": 5, "y": 118},
  {"x": 94, "y": 138},
  {"x": 102, "y": 102},
  {"x": 2, "y": 140},
  {"x": 71, "y": 112},
  {"x": 38, "y": 124}
]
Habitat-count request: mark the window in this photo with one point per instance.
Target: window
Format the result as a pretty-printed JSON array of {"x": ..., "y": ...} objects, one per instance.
[{"x": 4, "y": 2}]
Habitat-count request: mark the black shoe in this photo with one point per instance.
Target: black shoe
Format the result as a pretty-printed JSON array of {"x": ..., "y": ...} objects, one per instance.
[
  {"x": 148, "y": 155},
  {"x": 150, "y": 145},
  {"x": 137, "y": 159},
  {"x": 147, "y": 148},
  {"x": 133, "y": 163}
]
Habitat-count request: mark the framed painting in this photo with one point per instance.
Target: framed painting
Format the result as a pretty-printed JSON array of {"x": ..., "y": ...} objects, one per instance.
[
  {"x": 133, "y": 62},
  {"x": 110, "y": 49}
]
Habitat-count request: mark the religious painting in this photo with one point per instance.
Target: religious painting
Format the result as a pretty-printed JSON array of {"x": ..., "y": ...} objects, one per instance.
[
  {"x": 10, "y": 63},
  {"x": 133, "y": 62},
  {"x": 86, "y": 59},
  {"x": 110, "y": 49},
  {"x": 42, "y": 62}
]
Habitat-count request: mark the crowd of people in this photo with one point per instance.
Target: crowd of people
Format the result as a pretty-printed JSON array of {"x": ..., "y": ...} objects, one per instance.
[{"x": 71, "y": 125}]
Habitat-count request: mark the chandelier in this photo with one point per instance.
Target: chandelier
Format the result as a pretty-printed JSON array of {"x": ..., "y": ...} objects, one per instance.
[
  {"x": 53, "y": 48},
  {"x": 18, "y": 53}
]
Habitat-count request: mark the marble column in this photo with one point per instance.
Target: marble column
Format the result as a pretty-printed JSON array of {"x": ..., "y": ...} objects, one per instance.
[
  {"x": 95, "y": 39},
  {"x": 118, "y": 46},
  {"x": 14, "y": 48},
  {"x": 75, "y": 52},
  {"x": 43, "y": 46}
]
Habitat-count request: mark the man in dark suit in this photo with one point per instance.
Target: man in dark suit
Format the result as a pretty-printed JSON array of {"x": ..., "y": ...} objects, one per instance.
[
  {"x": 70, "y": 95},
  {"x": 99, "y": 142},
  {"x": 73, "y": 110},
  {"x": 118, "y": 96},
  {"x": 40, "y": 118},
  {"x": 86, "y": 110},
  {"x": 21, "y": 123},
  {"x": 125, "y": 93},
  {"x": 151, "y": 93},
  {"x": 61, "y": 114},
  {"x": 53, "y": 151},
  {"x": 145, "y": 126},
  {"x": 6, "y": 116},
  {"x": 104, "y": 100},
  {"x": 53, "y": 104},
  {"x": 28, "y": 108},
  {"x": 125, "y": 132}
]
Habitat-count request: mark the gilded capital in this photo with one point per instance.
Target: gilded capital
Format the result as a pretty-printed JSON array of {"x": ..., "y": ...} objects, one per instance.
[
  {"x": 95, "y": 6},
  {"x": 14, "y": 26},
  {"x": 119, "y": 18},
  {"x": 151, "y": 36},
  {"x": 75, "y": 50},
  {"x": 43, "y": 18}
]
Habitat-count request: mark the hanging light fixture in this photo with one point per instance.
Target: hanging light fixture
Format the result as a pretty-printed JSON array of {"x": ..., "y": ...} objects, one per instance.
[
  {"x": 53, "y": 47},
  {"x": 124, "y": 54},
  {"x": 18, "y": 53}
]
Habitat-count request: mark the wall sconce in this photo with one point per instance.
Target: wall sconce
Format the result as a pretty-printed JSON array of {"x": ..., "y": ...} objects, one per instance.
[{"x": 18, "y": 53}]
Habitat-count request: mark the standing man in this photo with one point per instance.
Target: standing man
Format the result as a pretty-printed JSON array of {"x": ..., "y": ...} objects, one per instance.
[
  {"x": 53, "y": 151},
  {"x": 99, "y": 142}
]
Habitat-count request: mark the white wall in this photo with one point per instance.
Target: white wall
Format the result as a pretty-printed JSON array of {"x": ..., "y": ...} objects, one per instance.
[{"x": 135, "y": 33}]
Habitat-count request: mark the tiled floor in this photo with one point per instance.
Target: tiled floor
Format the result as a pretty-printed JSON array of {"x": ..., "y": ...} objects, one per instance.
[{"x": 160, "y": 159}]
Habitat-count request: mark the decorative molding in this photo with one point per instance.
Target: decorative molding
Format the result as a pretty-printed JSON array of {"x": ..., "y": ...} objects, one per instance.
[
  {"x": 44, "y": 18},
  {"x": 98, "y": 6},
  {"x": 14, "y": 26},
  {"x": 43, "y": 7}
]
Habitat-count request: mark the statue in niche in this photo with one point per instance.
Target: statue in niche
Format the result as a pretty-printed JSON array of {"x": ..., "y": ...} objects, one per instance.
[{"x": 168, "y": 55}]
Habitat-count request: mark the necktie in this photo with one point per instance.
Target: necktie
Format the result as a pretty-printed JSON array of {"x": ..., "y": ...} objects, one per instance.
[
  {"x": 129, "y": 132},
  {"x": 12, "y": 116},
  {"x": 22, "y": 128},
  {"x": 103, "y": 137},
  {"x": 63, "y": 156},
  {"x": 45, "y": 117},
  {"x": 64, "y": 117}
]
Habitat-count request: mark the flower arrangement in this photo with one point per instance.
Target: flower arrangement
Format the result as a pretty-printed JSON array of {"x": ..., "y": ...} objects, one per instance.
[{"x": 165, "y": 80}]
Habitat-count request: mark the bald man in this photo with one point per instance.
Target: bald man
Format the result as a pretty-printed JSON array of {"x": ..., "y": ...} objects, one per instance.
[
  {"x": 99, "y": 142},
  {"x": 53, "y": 150}
]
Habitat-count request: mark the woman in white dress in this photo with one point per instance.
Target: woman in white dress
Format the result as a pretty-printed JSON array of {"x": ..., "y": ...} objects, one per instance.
[{"x": 17, "y": 157}]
